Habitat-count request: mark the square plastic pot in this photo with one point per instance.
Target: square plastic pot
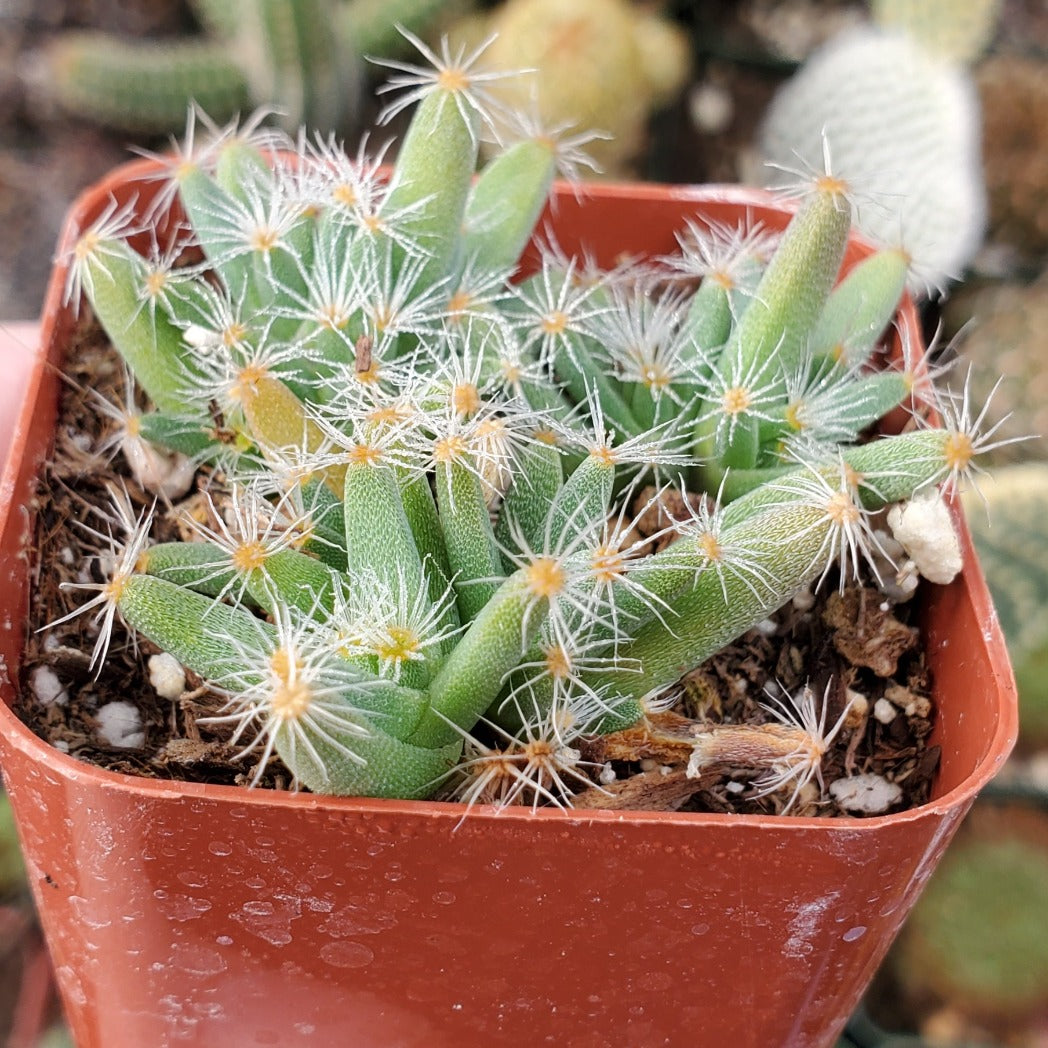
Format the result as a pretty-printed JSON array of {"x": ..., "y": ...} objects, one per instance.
[{"x": 185, "y": 914}]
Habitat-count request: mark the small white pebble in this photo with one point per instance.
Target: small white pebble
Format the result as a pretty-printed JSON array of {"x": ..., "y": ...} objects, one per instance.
[
  {"x": 906, "y": 580},
  {"x": 665, "y": 769},
  {"x": 61, "y": 745},
  {"x": 120, "y": 724},
  {"x": 920, "y": 707},
  {"x": 166, "y": 675},
  {"x": 884, "y": 711},
  {"x": 649, "y": 764},
  {"x": 47, "y": 688},
  {"x": 607, "y": 774},
  {"x": 925, "y": 529},
  {"x": 858, "y": 709},
  {"x": 734, "y": 787},
  {"x": 767, "y": 627},
  {"x": 65, "y": 555},
  {"x": 867, "y": 794},
  {"x": 804, "y": 600},
  {"x": 857, "y": 700}
]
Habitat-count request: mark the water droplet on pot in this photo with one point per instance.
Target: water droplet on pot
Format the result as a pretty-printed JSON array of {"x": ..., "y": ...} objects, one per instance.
[
  {"x": 854, "y": 933},
  {"x": 179, "y": 907},
  {"x": 220, "y": 848},
  {"x": 346, "y": 954},
  {"x": 656, "y": 982},
  {"x": 87, "y": 914},
  {"x": 198, "y": 960},
  {"x": 274, "y": 936},
  {"x": 699, "y": 929},
  {"x": 444, "y": 898}
]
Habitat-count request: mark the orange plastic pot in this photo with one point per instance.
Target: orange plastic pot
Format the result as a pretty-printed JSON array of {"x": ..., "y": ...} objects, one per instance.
[{"x": 196, "y": 915}]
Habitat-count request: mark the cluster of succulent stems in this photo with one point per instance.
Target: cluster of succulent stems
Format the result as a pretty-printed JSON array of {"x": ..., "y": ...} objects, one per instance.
[{"x": 418, "y": 573}]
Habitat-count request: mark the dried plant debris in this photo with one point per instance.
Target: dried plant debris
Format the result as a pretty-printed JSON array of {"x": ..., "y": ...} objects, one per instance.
[{"x": 851, "y": 654}]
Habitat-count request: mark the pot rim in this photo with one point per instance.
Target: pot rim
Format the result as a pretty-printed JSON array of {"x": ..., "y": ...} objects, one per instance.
[{"x": 18, "y": 735}]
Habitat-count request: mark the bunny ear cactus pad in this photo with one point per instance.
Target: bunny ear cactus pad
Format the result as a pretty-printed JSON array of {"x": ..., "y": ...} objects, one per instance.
[{"x": 420, "y": 473}]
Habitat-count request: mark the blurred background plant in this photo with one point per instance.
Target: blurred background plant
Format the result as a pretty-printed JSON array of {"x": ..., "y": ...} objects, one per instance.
[
  {"x": 603, "y": 64},
  {"x": 702, "y": 109},
  {"x": 26, "y": 998}
]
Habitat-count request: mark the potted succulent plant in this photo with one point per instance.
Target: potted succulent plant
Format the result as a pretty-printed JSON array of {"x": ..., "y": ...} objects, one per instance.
[{"x": 411, "y": 575}]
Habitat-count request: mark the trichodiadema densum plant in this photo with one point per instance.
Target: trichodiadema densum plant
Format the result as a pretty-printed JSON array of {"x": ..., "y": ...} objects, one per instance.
[{"x": 418, "y": 574}]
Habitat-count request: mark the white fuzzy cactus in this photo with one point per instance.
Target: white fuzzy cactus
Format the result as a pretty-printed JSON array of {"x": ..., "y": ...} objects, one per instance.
[{"x": 904, "y": 123}]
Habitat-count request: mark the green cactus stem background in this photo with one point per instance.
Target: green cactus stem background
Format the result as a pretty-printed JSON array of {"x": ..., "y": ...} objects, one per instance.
[
  {"x": 975, "y": 942},
  {"x": 303, "y": 58},
  {"x": 1009, "y": 534},
  {"x": 12, "y": 870}
]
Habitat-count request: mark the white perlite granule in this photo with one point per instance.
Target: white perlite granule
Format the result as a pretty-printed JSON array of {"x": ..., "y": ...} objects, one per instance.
[
  {"x": 120, "y": 724},
  {"x": 924, "y": 529},
  {"x": 166, "y": 675},
  {"x": 884, "y": 711},
  {"x": 47, "y": 688},
  {"x": 867, "y": 794}
]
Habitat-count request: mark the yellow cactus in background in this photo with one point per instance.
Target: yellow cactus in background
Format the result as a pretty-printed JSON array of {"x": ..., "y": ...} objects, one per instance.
[{"x": 603, "y": 64}]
